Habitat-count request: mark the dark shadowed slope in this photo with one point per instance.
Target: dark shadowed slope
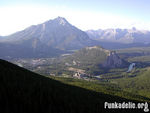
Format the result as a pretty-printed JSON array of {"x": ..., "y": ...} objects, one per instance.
[{"x": 22, "y": 91}]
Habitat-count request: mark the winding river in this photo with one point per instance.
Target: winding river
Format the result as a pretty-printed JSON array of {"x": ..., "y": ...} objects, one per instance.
[{"x": 131, "y": 66}]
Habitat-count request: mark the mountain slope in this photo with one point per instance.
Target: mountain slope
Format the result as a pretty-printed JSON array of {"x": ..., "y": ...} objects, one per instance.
[
  {"x": 23, "y": 91},
  {"x": 9, "y": 50},
  {"x": 96, "y": 55},
  {"x": 140, "y": 84},
  {"x": 94, "y": 61}
]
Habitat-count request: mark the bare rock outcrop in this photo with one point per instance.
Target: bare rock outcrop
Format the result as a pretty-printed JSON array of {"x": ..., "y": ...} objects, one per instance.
[{"x": 114, "y": 61}]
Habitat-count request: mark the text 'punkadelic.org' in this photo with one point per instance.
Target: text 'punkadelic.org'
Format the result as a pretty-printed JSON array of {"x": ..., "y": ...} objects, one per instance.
[{"x": 126, "y": 105}]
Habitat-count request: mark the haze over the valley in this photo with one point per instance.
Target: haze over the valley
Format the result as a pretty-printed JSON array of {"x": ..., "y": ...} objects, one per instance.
[{"x": 86, "y": 14}]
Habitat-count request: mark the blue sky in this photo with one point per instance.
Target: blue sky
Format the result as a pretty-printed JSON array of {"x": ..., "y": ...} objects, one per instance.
[{"x": 85, "y": 14}]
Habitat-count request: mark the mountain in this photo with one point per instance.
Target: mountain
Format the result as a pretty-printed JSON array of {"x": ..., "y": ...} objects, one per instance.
[
  {"x": 121, "y": 35},
  {"x": 57, "y": 33},
  {"x": 44, "y": 40},
  {"x": 23, "y": 91},
  {"x": 95, "y": 57}
]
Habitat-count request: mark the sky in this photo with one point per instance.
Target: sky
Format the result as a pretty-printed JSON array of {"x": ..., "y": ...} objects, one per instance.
[{"x": 16, "y": 15}]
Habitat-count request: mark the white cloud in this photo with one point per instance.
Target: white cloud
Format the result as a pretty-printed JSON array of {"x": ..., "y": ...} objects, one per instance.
[{"x": 17, "y": 18}]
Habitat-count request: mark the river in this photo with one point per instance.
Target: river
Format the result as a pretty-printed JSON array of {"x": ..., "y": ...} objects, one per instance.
[{"x": 131, "y": 66}]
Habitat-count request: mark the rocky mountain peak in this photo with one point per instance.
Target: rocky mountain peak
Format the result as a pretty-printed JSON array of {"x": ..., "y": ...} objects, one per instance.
[
  {"x": 57, "y": 21},
  {"x": 61, "y": 20}
]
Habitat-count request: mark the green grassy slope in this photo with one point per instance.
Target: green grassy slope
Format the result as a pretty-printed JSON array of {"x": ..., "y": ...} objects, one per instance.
[
  {"x": 140, "y": 84},
  {"x": 104, "y": 87},
  {"x": 89, "y": 55},
  {"x": 22, "y": 91}
]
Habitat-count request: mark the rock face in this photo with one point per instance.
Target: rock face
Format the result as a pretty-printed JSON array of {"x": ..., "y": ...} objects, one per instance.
[{"x": 114, "y": 61}]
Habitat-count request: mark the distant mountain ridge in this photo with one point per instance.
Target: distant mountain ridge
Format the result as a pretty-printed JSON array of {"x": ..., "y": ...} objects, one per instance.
[{"x": 120, "y": 35}]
